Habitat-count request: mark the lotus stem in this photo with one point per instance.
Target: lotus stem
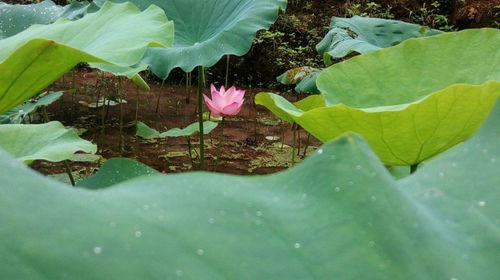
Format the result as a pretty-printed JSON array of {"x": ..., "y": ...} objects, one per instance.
[
  {"x": 159, "y": 95},
  {"x": 282, "y": 138},
  {"x": 255, "y": 120},
  {"x": 227, "y": 70},
  {"x": 187, "y": 88},
  {"x": 120, "y": 87},
  {"x": 98, "y": 89},
  {"x": 294, "y": 140},
  {"x": 307, "y": 145},
  {"x": 104, "y": 113},
  {"x": 177, "y": 107},
  {"x": 137, "y": 104},
  {"x": 201, "y": 84},
  {"x": 70, "y": 174},
  {"x": 413, "y": 168},
  {"x": 45, "y": 115},
  {"x": 73, "y": 85},
  {"x": 190, "y": 86},
  {"x": 73, "y": 78},
  {"x": 73, "y": 91},
  {"x": 219, "y": 148},
  {"x": 190, "y": 152},
  {"x": 299, "y": 140}
]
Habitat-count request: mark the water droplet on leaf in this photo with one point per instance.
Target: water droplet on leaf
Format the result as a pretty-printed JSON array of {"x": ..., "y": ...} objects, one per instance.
[{"x": 97, "y": 250}]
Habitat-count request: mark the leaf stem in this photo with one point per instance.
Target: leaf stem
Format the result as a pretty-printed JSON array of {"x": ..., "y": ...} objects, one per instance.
[
  {"x": 201, "y": 84},
  {"x": 137, "y": 104},
  {"x": 70, "y": 174},
  {"x": 159, "y": 95},
  {"x": 294, "y": 140},
  {"x": 120, "y": 97},
  {"x": 307, "y": 145},
  {"x": 45, "y": 115},
  {"x": 190, "y": 153},
  {"x": 413, "y": 168}
]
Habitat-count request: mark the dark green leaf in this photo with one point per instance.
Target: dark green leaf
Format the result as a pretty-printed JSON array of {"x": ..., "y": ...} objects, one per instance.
[
  {"x": 207, "y": 30},
  {"x": 365, "y": 35},
  {"x": 116, "y": 171},
  {"x": 17, "y": 114}
]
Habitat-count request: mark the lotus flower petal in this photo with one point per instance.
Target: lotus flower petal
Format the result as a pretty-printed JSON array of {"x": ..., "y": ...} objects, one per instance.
[
  {"x": 232, "y": 109},
  {"x": 211, "y": 106}
]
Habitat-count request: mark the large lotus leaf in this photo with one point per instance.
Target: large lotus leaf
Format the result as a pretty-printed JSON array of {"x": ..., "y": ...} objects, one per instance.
[
  {"x": 413, "y": 69},
  {"x": 405, "y": 100},
  {"x": 284, "y": 109},
  {"x": 16, "y": 18},
  {"x": 17, "y": 114},
  {"x": 49, "y": 141},
  {"x": 337, "y": 215},
  {"x": 365, "y": 35},
  {"x": 207, "y": 30},
  {"x": 400, "y": 135},
  {"x": 115, "y": 171},
  {"x": 118, "y": 35},
  {"x": 303, "y": 77}
]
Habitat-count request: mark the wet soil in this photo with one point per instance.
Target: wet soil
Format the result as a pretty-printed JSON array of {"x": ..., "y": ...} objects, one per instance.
[{"x": 244, "y": 148}]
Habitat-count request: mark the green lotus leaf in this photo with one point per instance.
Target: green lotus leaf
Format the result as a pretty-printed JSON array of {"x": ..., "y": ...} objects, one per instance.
[
  {"x": 34, "y": 58},
  {"x": 364, "y": 35},
  {"x": 308, "y": 84},
  {"x": 303, "y": 77},
  {"x": 115, "y": 171},
  {"x": 207, "y": 30},
  {"x": 49, "y": 141},
  {"x": 285, "y": 110},
  {"x": 16, "y": 115},
  {"x": 295, "y": 75},
  {"x": 337, "y": 215},
  {"x": 409, "y": 105},
  {"x": 189, "y": 130},
  {"x": 16, "y": 18},
  {"x": 146, "y": 132},
  {"x": 400, "y": 172}
]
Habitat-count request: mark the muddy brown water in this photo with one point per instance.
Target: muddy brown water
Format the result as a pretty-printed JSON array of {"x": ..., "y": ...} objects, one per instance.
[{"x": 244, "y": 148}]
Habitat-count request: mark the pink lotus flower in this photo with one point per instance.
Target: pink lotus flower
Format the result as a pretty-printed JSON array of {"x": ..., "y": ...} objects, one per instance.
[{"x": 224, "y": 103}]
